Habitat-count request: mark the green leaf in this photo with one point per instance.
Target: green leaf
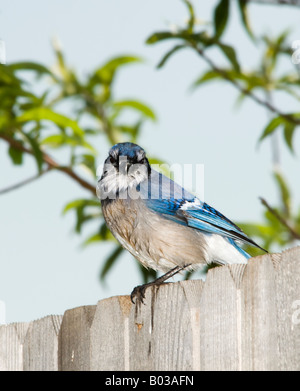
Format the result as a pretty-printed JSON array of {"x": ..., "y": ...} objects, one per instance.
[
  {"x": 284, "y": 192},
  {"x": 61, "y": 140},
  {"x": 60, "y": 57},
  {"x": 14, "y": 92},
  {"x": 44, "y": 113},
  {"x": 79, "y": 206},
  {"x": 79, "y": 219},
  {"x": 169, "y": 54},
  {"x": 201, "y": 37},
  {"x": 104, "y": 234},
  {"x": 244, "y": 16},
  {"x": 160, "y": 36},
  {"x": 106, "y": 73},
  {"x": 133, "y": 130},
  {"x": 147, "y": 274},
  {"x": 55, "y": 140},
  {"x": 160, "y": 166},
  {"x": 8, "y": 77},
  {"x": 136, "y": 105},
  {"x": 82, "y": 218},
  {"x": 212, "y": 75},
  {"x": 16, "y": 155},
  {"x": 87, "y": 160},
  {"x": 191, "y": 14},
  {"x": 272, "y": 220},
  {"x": 231, "y": 55},
  {"x": 255, "y": 230},
  {"x": 110, "y": 261},
  {"x": 272, "y": 126},
  {"x": 288, "y": 132},
  {"x": 37, "y": 153},
  {"x": 81, "y": 202},
  {"x": 206, "y": 77},
  {"x": 221, "y": 17},
  {"x": 31, "y": 66},
  {"x": 92, "y": 239}
]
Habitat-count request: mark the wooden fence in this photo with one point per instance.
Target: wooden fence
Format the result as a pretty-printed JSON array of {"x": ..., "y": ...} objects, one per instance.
[{"x": 244, "y": 317}]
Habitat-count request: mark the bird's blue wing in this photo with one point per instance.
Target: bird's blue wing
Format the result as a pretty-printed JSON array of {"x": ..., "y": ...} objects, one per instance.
[{"x": 184, "y": 208}]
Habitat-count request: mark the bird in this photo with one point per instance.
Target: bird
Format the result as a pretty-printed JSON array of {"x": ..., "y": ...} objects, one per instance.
[{"x": 164, "y": 226}]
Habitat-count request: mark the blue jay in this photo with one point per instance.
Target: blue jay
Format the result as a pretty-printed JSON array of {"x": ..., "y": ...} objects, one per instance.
[{"x": 161, "y": 224}]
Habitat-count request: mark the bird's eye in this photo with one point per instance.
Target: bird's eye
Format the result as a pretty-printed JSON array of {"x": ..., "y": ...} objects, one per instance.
[{"x": 112, "y": 159}]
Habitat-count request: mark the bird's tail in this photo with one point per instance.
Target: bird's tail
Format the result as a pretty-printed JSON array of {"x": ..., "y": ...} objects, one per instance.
[{"x": 240, "y": 250}]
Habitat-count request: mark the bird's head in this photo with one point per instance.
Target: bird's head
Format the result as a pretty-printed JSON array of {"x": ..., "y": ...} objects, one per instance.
[{"x": 124, "y": 169}]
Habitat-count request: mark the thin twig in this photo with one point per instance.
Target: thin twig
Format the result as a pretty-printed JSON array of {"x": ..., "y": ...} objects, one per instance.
[
  {"x": 25, "y": 182},
  {"x": 101, "y": 116},
  {"x": 274, "y": 137},
  {"x": 278, "y": 2},
  {"x": 294, "y": 234},
  {"x": 243, "y": 90},
  {"x": 51, "y": 163}
]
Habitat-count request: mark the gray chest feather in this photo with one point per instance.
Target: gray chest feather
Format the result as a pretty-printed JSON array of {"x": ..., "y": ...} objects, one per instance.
[{"x": 155, "y": 241}]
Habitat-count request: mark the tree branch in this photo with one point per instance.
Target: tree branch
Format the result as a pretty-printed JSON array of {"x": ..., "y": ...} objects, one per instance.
[
  {"x": 294, "y": 234},
  {"x": 243, "y": 90},
  {"x": 25, "y": 182},
  {"x": 51, "y": 163},
  {"x": 277, "y": 2}
]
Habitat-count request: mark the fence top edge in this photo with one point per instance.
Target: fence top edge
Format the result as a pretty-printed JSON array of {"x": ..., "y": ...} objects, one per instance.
[{"x": 236, "y": 272}]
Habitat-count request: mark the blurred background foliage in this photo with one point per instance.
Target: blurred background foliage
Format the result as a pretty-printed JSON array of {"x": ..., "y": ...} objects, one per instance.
[{"x": 32, "y": 120}]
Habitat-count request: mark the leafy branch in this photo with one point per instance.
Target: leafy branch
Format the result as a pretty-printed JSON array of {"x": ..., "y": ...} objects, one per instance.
[
  {"x": 282, "y": 225},
  {"x": 52, "y": 164},
  {"x": 23, "y": 183},
  {"x": 243, "y": 81},
  {"x": 245, "y": 91},
  {"x": 274, "y": 212},
  {"x": 37, "y": 125}
]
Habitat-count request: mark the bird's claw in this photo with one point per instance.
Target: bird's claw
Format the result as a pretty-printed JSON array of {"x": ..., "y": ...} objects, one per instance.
[
  {"x": 139, "y": 291},
  {"x": 139, "y": 294}
]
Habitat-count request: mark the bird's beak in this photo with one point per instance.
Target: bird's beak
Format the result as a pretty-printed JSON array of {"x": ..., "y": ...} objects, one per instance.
[{"x": 123, "y": 165}]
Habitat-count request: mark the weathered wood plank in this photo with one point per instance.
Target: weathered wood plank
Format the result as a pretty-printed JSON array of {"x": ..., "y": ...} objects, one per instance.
[
  {"x": 41, "y": 344},
  {"x": 287, "y": 303},
  {"x": 259, "y": 321},
  {"x": 12, "y": 338},
  {"x": 160, "y": 331},
  {"x": 244, "y": 317},
  {"x": 74, "y": 339},
  {"x": 110, "y": 335},
  {"x": 193, "y": 292},
  {"x": 220, "y": 322},
  {"x": 140, "y": 334}
]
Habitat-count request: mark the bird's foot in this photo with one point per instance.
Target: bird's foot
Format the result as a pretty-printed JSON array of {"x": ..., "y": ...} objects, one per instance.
[{"x": 138, "y": 292}]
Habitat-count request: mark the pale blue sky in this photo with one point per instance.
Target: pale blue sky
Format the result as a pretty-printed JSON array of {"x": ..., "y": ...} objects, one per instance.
[{"x": 43, "y": 270}]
